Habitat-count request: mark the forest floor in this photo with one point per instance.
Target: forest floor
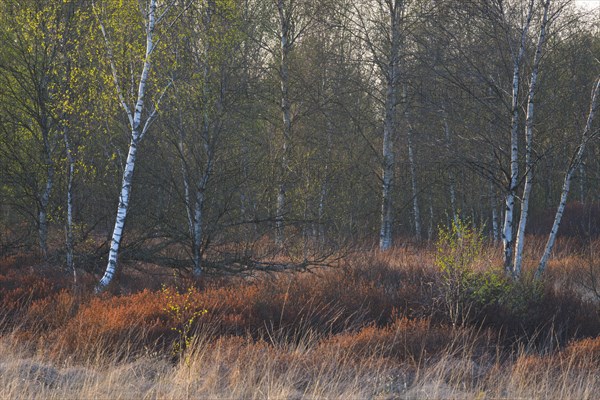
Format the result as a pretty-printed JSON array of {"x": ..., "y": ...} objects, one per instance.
[{"x": 380, "y": 325}]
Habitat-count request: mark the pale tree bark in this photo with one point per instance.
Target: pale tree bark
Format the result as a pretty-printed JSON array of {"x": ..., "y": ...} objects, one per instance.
[
  {"x": 138, "y": 130},
  {"x": 185, "y": 176},
  {"x": 587, "y": 136},
  {"x": 385, "y": 234},
  {"x": 495, "y": 227},
  {"x": 285, "y": 42},
  {"x": 392, "y": 75},
  {"x": 507, "y": 232},
  {"x": 200, "y": 197},
  {"x": 69, "y": 240},
  {"x": 413, "y": 169},
  {"x": 44, "y": 199},
  {"x": 529, "y": 164},
  {"x": 208, "y": 145}
]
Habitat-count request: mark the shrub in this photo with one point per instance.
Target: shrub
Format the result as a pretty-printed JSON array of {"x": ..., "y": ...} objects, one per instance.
[{"x": 464, "y": 292}]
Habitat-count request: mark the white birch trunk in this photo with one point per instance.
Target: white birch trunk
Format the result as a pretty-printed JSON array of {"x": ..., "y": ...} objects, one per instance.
[
  {"x": 43, "y": 211},
  {"x": 385, "y": 236},
  {"x": 520, "y": 240},
  {"x": 122, "y": 209},
  {"x": 186, "y": 180},
  {"x": 285, "y": 47},
  {"x": 495, "y": 230},
  {"x": 45, "y": 195},
  {"x": 507, "y": 232},
  {"x": 198, "y": 219},
  {"x": 69, "y": 224},
  {"x": 200, "y": 198},
  {"x": 197, "y": 239},
  {"x": 137, "y": 133},
  {"x": 413, "y": 169},
  {"x": 389, "y": 129},
  {"x": 588, "y": 135}
]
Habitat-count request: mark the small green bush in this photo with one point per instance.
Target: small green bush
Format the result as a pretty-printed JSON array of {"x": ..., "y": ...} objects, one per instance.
[{"x": 465, "y": 292}]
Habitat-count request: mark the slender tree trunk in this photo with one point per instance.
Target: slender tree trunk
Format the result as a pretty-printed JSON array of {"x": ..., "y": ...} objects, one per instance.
[
  {"x": 582, "y": 182},
  {"x": 325, "y": 183},
  {"x": 495, "y": 230},
  {"x": 198, "y": 221},
  {"x": 185, "y": 176},
  {"x": 138, "y": 130},
  {"x": 122, "y": 209},
  {"x": 284, "y": 79},
  {"x": 200, "y": 199},
  {"x": 43, "y": 211},
  {"x": 413, "y": 169},
  {"x": 385, "y": 236},
  {"x": 588, "y": 135},
  {"x": 520, "y": 241},
  {"x": 507, "y": 232},
  {"x": 69, "y": 223},
  {"x": 389, "y": 129},
  {"x": 45, "y": 195},
  {"x": 451, "y": 179}
]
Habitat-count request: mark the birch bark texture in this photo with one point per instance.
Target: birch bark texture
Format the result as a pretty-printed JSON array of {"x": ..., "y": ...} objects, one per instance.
[
  {"x": 412, "y": 166},
  {"x": 286, "y": 40},
  {"x": 529, "y": 162},
  {"x": 391, "y": 71},
  {"x": 507, "y": 232},
  {"x": 138, "y": 128},
  {"x": 587, "y": 135}
]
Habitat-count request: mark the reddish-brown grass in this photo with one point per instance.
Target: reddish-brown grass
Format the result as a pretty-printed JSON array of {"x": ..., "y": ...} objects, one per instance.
[{"x": 375, "y": 318}]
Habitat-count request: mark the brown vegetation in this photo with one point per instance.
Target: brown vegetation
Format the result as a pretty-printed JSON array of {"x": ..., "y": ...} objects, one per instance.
[{"x": 377, "y": 326}]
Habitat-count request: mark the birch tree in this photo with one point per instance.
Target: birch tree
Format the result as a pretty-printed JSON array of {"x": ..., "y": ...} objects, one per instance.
[
  {"x": 204, "y": 75},
  {"x": 380, "y": 26},
  {"x": 517, "y": 53},
  {"x": 29, "y": 76},
  {"x": 412, "y": 166},
  {"x": 589, "y": 133},
  {"x": 139, "y": 116},
  {"x": 529, "y": 161}
]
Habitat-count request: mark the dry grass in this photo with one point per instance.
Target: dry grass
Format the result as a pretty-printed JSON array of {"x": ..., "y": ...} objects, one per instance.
[{"x": 370, "y": 329}]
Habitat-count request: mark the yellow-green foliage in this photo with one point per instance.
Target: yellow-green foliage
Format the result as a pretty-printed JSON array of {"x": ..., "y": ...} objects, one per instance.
[
  {"x": 458, "y": 246},
  {"x": 465, "y": 290},
  {"x": 184, "y": 313}
]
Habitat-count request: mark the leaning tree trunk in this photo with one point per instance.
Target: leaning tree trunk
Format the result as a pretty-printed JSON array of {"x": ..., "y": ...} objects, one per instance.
[
  {"x": 122, "y": 209},
  {"x": 588, "y": 135},
  {"x": 138, "y": 130},
  {"x": 520, "y": 241}
]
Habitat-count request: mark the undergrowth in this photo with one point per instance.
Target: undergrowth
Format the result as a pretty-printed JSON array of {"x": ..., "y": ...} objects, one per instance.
[{"x": 440, "y": 322}]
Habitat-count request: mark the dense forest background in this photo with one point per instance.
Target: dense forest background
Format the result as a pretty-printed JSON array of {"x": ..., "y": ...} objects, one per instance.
[
  {"x": 289, "y": 199},
  {"x": 311, "y": 125}
]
